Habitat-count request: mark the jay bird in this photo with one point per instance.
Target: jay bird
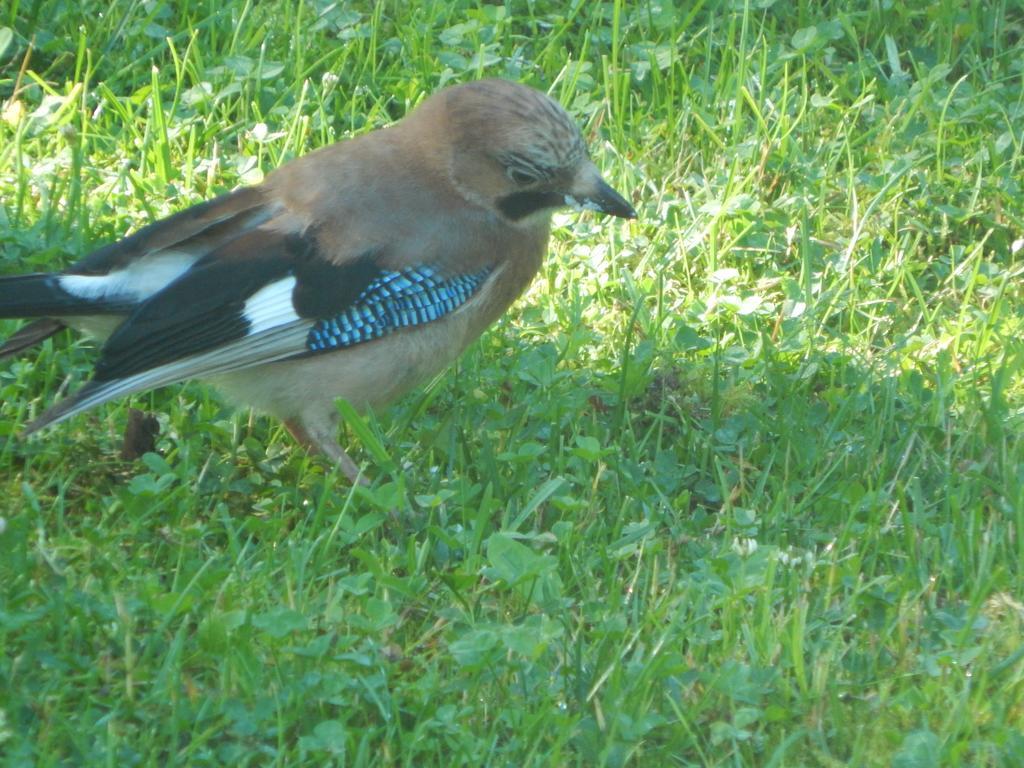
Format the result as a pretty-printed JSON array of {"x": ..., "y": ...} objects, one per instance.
[{"x": 356, "y": 271}]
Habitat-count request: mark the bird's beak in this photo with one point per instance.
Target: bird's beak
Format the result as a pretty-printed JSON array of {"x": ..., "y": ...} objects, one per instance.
[{"x": 592, "y": 193}]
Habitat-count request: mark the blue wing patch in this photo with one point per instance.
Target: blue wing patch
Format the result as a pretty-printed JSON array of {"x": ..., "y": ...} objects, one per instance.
[{"x": 394, "y": 300}]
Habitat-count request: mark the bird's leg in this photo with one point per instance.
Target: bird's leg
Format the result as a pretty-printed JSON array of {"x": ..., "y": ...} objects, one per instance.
[{"x": 323, "y": 441}]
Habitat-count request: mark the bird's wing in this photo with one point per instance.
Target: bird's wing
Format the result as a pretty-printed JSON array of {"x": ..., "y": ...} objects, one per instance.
[
  {"x": 131, "y": 270},
  {"x": 264, "y": 297},
  {"x": 115, "y": 279},
  {"x": 197, "y": 228}
]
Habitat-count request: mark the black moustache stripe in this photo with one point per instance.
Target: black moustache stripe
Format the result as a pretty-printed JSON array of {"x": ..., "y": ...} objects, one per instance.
[{"x": 521, "y": 204}]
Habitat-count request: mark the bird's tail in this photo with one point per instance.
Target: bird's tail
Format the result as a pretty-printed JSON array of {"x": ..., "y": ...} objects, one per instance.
[
  {"x": 40, "y": 295},
  {"x": 29, "y": 335}
]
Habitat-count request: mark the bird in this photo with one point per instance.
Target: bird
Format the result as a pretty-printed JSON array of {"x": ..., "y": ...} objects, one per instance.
[{"x": 356, "y": 271}]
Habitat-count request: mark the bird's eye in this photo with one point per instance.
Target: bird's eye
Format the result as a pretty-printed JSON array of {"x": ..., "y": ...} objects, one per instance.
[{"x": 520, "y": 177}]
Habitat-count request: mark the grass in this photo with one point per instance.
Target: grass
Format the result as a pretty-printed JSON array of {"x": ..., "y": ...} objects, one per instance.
[{"x": 739, "y": 483}]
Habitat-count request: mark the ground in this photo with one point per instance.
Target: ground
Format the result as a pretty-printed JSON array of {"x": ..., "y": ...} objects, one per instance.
[{"x": 738, "y": 483}]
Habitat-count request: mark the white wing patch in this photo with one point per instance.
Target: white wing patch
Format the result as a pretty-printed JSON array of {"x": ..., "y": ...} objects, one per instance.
[
  {"x": 271, "y": 306},
  {"x": 136, "y": 282}
]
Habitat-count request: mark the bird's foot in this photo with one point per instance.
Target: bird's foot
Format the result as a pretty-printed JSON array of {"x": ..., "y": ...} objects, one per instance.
[{"x": 316, "y": 442}]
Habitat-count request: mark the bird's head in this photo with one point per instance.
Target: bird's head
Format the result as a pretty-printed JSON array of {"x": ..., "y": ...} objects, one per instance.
[{"x": 516, "y": 152}]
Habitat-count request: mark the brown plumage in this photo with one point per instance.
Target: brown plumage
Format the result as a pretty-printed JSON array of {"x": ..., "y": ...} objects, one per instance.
[{"x": 356, "y": 271}]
